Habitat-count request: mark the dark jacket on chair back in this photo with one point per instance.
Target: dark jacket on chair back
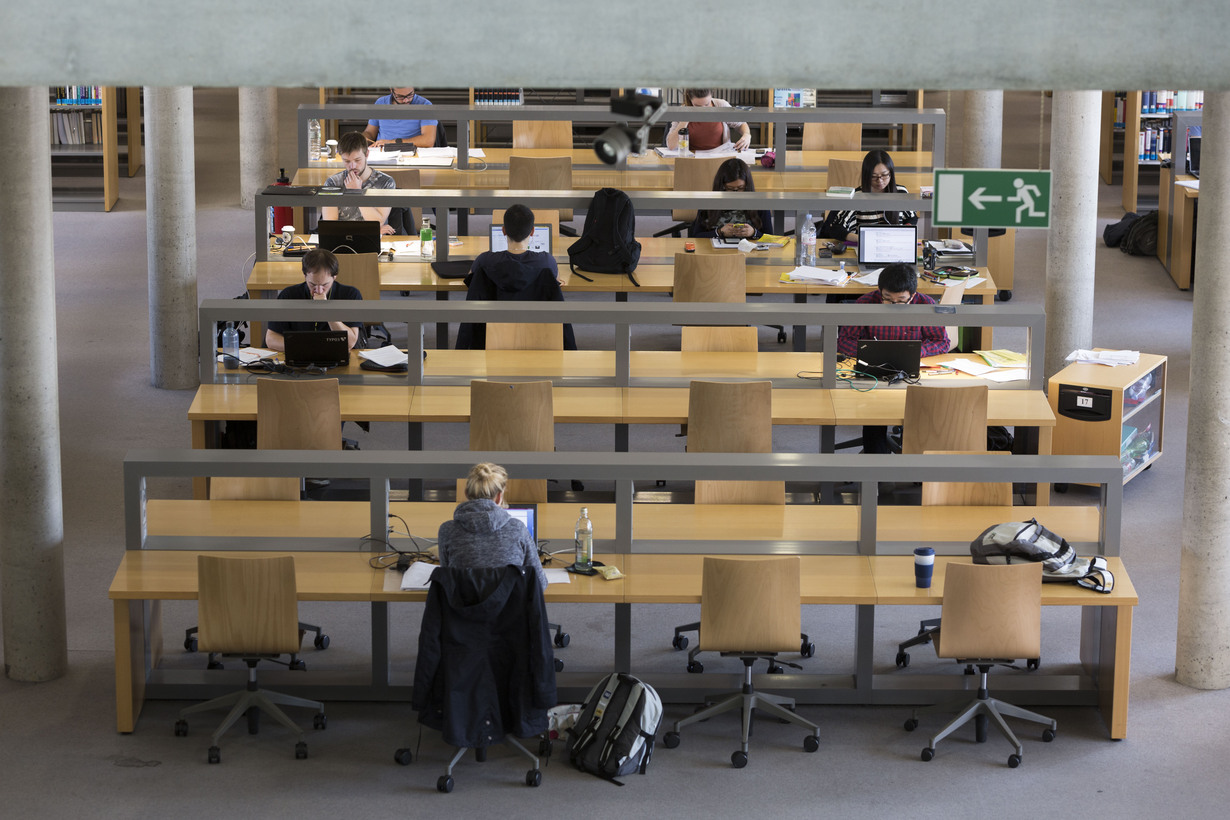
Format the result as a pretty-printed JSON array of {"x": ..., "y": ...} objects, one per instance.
[{"x": 485, "y": 665}]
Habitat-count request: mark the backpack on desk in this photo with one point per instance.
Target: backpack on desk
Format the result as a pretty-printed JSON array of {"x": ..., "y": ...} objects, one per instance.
[{"x": 608, "y": 242}]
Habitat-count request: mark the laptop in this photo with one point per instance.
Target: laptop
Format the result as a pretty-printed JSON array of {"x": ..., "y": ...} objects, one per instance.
[
  {"x": 890, "y": 360},
  {"x": 539, "y": 241},
  {"x": 316, "y": 348},
  {"x": 339, "y": 236},
  {"x": 880, "y": 245},
  {"x": 527, "y": 514},
  {"x": 1193, "y": 156}
]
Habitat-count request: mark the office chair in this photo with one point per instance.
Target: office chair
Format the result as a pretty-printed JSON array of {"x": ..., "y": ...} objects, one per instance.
[
  {"x": 406, "y": 221},
  {"x": 845, "y": 172},
  {"x": 542, "y": 134},
  {"x": 249, "y": 610},
  {"x": 482, "y": 674},
  {"x": 713, "y": 277},
  {"x": 960, "y": 494},
  {"x": 833, "y": 136},
  {"x": 992, "y": 615},
  {"x": 543, "y": 174},
  {"x": 732, "y": 417},
  {"x": 750, "y": 608},
  {"x": 690, "y": 174}
]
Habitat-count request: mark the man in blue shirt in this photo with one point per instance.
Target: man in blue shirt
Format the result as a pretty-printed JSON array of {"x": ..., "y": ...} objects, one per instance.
[{"x": 416, "y": 132}]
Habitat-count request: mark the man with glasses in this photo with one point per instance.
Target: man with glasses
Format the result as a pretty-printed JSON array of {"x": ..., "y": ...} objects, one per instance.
[
  {"x": 898, "y": 285},
  {"x": 393, "y": 131},
  {"x": 319, "y": 284}
]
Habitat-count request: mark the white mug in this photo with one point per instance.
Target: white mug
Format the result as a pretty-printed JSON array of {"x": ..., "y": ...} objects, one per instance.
[{"x": 288, "y": 235}]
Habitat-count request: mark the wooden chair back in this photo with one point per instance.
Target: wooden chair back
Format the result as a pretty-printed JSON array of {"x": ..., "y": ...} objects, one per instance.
[
  {"x": 708, "y": 339},
  {"x": 952, "y": 296},
  {"x": 733, "y": 417},
  {"x": 991, "y": 611},
  {"x": 542, "y": 134},
  {"x": 845, "y": 172},
  {"x": 966, "y": 493},
  {"x": 407, "y": 179},
  {"x": 513, "y": 416},
  {"x": 710, "y": 277},
  {"x": 944, "y": 417},
  {"x": 694, "y": 174},
  {"x": 362, "y": 271},
  {"x": 832, "y": 136},
  {"x": 524, "y": 336},
  {"x": 550, "y": 217},
  {"x": 247, "y": 605},
  {"x": 541, "y": 174},
  {"x": 750, "y": 604}
]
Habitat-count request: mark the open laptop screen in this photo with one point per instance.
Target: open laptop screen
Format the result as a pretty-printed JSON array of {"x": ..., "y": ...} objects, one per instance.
[
  {"x": 527, "y": 514},
  {"x": 540, "y": 241},
  {"x": 888, "y": 244}
]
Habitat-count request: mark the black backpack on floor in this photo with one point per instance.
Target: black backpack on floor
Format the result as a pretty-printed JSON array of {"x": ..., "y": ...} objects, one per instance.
[
  {"x": 607, "y": 243},
  {"x": 615, "y": 732},
  {"x": 1141, "y": 238}
]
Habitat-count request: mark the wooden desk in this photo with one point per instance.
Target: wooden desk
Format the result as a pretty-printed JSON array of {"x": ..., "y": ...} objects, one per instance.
[{"x": 1182, "y": 237}]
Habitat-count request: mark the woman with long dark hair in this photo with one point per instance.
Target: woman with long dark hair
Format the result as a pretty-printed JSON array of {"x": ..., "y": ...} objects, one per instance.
[
  {"x": 878, "y": 177},
  {"x": 733, "y": 176}
]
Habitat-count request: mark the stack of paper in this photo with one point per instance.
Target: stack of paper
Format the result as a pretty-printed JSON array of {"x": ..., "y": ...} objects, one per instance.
[
  {"x": 806, "y": 273},
  {"x": 248, "y": 355},
  {"x": 387, "y": 356},
  {"x": 1111, "y": 358},
  {"x": 987, "y": 372},
  {"x": 1002, "y": 358}
]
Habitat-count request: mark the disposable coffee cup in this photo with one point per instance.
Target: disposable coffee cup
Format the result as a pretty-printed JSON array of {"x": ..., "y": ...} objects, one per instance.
[
  {"x": 331, "y": 145},
  {"x": 288, "y": 235},
  {"x": 924, "y": 567}
]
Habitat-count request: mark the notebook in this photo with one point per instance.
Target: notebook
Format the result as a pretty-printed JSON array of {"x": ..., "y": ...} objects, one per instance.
[
  {"x": 880, "y": 245},
  {"x": 316, "y": 348},
  {"x": 539, "y": 241},
  {"x": 888, "y": 359},
  {"x": 340, "y": 236}
]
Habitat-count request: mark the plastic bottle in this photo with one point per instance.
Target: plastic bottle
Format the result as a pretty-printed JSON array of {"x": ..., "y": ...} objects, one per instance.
[
  {"x": 809, "y": 240},
  {"x": 313, "y": 139},
  {"x": 425, "y": 249},
  {"x": 230, "y": 347},
  {"x": 584, "y": 541}
]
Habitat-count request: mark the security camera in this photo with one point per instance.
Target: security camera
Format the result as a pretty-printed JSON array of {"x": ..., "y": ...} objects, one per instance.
[{"x": 615, "y": 143}]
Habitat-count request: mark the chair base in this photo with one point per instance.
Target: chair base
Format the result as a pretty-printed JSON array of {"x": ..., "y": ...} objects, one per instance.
[
  {"x": 680, "y": 641},
  {"x": 533, "y": 777}
]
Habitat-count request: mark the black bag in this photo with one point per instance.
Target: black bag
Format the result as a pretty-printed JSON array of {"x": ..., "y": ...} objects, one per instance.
[
  {"x": 1141, "y": 238},
  {"x": 615, "y": 732},
  {"x": 607, "y": 243},
  {"x": 832, "y": 227},
  {"x": 243, "y": 328},
  {"x": 1113, "y": 234}
]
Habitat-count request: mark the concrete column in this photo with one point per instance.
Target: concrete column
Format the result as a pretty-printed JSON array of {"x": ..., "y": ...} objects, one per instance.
[
  {"x": 258, "y": 142},
  {"x": 1074, "y": 222},
  {"x": 1202, "y": 652},
  {"x": 170, "y": 221},
  {"x": 983, "y": 130},
  {"x": 32, "y": 523}
]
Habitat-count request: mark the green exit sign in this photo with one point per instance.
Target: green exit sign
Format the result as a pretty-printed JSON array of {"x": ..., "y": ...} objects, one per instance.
[{"x": 979, "y": 198}]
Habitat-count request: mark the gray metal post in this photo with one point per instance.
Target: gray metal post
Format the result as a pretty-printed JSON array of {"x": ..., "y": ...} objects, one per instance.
[
  {"x": 258, "y": 142},
  {"x": 1074, "y": 216},
  {"x": 170, "y": 219},
  {"x": 32, "y": 526},
  {"x": 1201, "y": 659}
]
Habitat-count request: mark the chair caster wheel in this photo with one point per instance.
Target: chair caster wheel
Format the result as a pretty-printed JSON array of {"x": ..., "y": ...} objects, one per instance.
[
  {"x": 903, "y": 660},
  {"x": 301, "y": 751},
  {"x": 444, "y": 784},
  {"x": 189, "y": 644},
  {"x": 214, "y": 665},
  {"x": 928, "y": 753},
  {"x": 696, "y": 667},
  {"x": 562, "y": 639},
  {"x": 1004, "y": 295},
  {"x": 680, "y": 642},
  {"x": 181, "y": 728},
  {"x": 559, "y": 665},
  {"x": 807, "y": 649},
  {"x": 215, "y": 754},
  {"x": 911, "y": 724},
  {"x": 1033, "y": 663},
  {"x": 403, "y": 757},
  {"x": 811, "y": 743},
  {"x": 320, "y": 721},
  {"x": 670, "y": 740},
  {"x": 738, "y": 759},
  {"x": 781, "y": 337},
  {"x": 775, "y": 669},
  {"x": 533, "y": 778},
  {"x": 296, "y": 665},
  {"x": 1048, "y": 735},
  {"x": 545, "y": 747},
  {"x": 321, "y": 642},
  {"x": 1014, "y": 761},
  {"x": 1060, "y": 488}
]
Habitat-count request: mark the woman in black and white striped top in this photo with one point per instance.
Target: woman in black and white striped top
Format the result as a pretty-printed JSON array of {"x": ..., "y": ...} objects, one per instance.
[{"x": 879, "y": 177}]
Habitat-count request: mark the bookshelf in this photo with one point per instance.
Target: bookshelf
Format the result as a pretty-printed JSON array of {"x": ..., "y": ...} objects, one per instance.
[
  {"x": 85, "y": 128},
  {"x": 1146, "y": 134}
]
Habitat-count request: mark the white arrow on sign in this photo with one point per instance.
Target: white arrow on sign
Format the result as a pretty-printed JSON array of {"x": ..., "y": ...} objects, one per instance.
[{"x": 977, "y": 198}]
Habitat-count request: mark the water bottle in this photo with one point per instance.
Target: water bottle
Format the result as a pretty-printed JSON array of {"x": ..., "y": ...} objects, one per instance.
[
  {"x": 809, "y": 241},
  {"x": 230, "y": 347},
  {"x": 584, "y": 542},
  {"x": 425, "y": 239},
  {"x": 683, "y": 142},
  {"x": 313, "y": 139}
]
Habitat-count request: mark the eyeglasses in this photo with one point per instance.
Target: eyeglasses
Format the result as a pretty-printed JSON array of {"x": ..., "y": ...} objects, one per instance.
[
  {"x": 886, "y": 299},
  {"x": 402, "y": 98},
  {"x": 881, "y": 176},
  {"x": 738, "y": 185}
]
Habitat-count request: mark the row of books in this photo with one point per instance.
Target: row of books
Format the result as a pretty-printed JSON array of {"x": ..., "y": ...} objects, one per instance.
[
  {"x": 1166, "y": 102},
  {"x": 76, "y": 95},
  {"x": 499, "y": 96},
  {"x": 76, "y": 127},
  {"x": 1154, "y": 144}
]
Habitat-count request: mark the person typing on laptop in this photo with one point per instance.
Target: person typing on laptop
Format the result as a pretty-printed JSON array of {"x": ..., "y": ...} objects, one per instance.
[
  {"x": 898, "y": 285},
  {"x": 416, "y": 132},
  {"x": 513, "y": 275},
  {"x": 319, "y": 283},
  {"x": 358, "y": 176}
]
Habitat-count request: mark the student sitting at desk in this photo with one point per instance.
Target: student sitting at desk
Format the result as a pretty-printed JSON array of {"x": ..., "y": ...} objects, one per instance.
[
  {"x": 319, "y": 283},
  {"x": 879, "y": 177},
  {"x": 898, "y": 285},
  {"x": 515, "y": 275},
  {"x": 416, "y": 132},
  {"x": 352, "y": 148},
  {"x": 705, "y": 136},
  {"x": 732, "y": 175},
  {"x": 481, "y": 533}
]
